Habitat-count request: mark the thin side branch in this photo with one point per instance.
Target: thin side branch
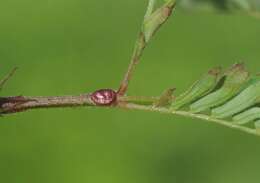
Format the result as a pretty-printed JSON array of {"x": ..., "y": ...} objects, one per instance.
[
  {"x": 138, "y": 51},
  {"x": 7, "y": 77},
  {"x": 155, "y": 20}
]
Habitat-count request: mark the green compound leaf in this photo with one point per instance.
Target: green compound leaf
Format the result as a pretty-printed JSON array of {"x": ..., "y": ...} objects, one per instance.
[
  {"x": 231, "y": 99},
  {"x": 235, "y": 77}
]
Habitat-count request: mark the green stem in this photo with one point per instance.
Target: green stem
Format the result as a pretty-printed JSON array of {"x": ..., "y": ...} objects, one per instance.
[
  {"x": 138, "y": 100},
  {"x": 192, "y": 115}
]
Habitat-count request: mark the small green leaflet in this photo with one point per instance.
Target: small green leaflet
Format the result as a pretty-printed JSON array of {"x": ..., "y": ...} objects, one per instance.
[
  {"x": 247, "y": 116},
  {"x": 199, "y": 89},
  {"x": 247, "y": 98}
]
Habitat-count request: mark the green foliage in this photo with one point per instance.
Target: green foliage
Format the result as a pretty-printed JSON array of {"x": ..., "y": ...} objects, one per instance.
[
  {"x": 198, "y": 89},
  {"x": 59, "y": 47},
  {"x": 234, "y": 78},
  {"x": 232, "y": 95},
  {"x": 156, "y": 19},
  {"x": 247, "y": 116},
  {"x": 226, "y": 5}
]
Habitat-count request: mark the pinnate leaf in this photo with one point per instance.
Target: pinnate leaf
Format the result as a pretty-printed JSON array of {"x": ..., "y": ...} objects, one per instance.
[{"x": 233, "y": 96}]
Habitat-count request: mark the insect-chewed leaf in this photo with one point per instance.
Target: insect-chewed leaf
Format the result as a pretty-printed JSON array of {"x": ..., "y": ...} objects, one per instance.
[
  {"x": 247, "y": 98},
  {"x": 165, "y": 98},
  {"x": 235, "y": 78},
  {"x": 199, "y": 89},
  {"x": 247, "y": 116}
]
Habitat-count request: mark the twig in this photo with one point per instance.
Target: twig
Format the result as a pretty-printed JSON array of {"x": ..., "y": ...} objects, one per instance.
[
  {"x": 7, "y": 77},
  {"x": 158, "y": 18},
  {"x": 108, "y": 97},
  {"x": 10, "y": 105}
]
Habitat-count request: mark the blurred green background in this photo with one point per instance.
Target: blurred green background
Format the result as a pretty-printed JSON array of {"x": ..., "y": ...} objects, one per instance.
[{"x": 70, "y": 47}]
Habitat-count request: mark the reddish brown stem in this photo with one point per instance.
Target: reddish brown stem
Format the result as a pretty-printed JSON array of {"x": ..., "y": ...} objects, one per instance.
[
  {"x": 19, "y": 104},
  {"x": 138, "y": 50}
]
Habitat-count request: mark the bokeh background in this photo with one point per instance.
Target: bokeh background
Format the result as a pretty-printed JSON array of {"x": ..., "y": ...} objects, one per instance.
[{"x": 70, "y": 47}]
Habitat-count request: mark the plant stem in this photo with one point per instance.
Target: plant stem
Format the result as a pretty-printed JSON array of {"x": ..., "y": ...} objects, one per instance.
[
  {"x": 161, "y": 17},
  {"x": 138, "y": 99},
  {"x": 138, "y": 50},
  {"x": 194, "y": 116},
  {"x": 152, "y": 22},
  {"x": 9, "y": 105},
  {"x": 7, "y": 77}
]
